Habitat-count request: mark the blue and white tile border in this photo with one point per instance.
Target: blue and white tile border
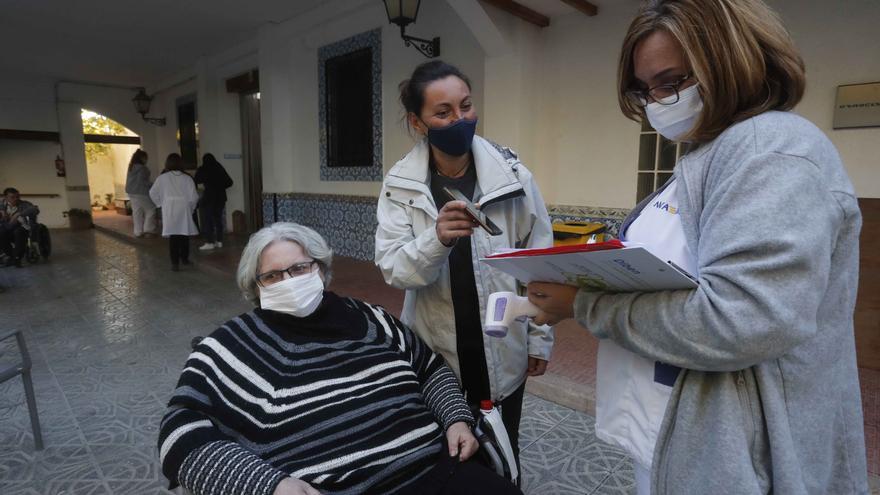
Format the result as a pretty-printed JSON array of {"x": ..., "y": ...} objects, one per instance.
[
  {"x": 611, "y": 217},
  {"x": 349, "y": 222},
  {"x": 369, "y": 39}
]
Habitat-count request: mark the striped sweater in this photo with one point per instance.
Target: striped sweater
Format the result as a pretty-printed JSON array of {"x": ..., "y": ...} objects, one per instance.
[{"x": 347, "y": 399}]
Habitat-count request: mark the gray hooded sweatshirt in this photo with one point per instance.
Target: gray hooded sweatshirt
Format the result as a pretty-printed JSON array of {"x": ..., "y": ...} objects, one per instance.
[{"x": 768, "y": 399}]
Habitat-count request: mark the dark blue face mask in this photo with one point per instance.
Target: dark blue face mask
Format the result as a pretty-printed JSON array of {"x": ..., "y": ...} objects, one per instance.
[{"x": 454, "y": 139}]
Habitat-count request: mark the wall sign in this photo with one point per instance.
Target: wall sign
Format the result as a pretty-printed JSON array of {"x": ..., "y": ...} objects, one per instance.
[{"x": 857, "y": 105}]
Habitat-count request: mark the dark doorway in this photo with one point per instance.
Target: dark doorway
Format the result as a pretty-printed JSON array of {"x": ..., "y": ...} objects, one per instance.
[
  {"x": 188, "y": 131},
  {"x": 252, "y": 160},
  {"x": 349, "y": 125}
]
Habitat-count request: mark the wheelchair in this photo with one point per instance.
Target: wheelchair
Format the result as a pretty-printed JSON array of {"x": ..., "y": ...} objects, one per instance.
[
  {"x": 495, "y": 449},
  {"x": 39, "y": 244}
]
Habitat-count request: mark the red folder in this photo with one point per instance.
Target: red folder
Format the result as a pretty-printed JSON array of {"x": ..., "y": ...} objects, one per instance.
[{"x": 577, "y": 248}]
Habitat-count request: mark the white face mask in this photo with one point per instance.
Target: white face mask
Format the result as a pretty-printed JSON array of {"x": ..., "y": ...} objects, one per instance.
[
  {"x": 675, "y": 120},
  {"x": 297, "y": 296}
]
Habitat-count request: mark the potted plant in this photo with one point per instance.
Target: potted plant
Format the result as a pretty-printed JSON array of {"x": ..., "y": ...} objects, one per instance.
[{"x": 79, "y": 219}]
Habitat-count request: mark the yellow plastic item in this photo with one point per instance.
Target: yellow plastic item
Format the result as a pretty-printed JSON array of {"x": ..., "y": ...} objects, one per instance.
[{"x": 571, "y": 233}]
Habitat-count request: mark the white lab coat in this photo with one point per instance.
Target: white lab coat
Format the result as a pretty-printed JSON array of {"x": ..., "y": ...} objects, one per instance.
[{"x": 175, "y": 192}]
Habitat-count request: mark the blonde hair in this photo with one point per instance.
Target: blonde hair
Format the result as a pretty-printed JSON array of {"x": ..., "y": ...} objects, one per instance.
[{"x": 738, "y": 51}]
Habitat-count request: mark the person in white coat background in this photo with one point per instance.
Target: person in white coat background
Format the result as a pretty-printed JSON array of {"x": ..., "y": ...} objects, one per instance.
[
  {"x": 427, "y": 245},
  {"x": 175, "y": 192}
]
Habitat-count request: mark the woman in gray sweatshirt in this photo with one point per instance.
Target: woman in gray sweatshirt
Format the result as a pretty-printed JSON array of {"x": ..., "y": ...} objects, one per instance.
[
  {"x": 137, "y": 187},
  {"x": 764, "y": 394}
]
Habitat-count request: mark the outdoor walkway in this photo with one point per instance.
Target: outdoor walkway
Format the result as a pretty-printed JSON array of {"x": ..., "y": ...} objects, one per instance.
[{"x": 109, "y": 327}]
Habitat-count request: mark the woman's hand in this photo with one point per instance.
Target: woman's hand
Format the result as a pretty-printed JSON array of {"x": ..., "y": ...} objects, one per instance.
[
  {"x": 453, "y": 222},
  {"x": 537, "y": 366},
  {"x": 462, "y": 442},
  {"x": 293, "y": 486},
  {"x": 556, "y": 301}
]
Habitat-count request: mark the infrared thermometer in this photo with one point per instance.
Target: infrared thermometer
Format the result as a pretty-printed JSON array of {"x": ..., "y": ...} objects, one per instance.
[{"x": 503, "y": 308}]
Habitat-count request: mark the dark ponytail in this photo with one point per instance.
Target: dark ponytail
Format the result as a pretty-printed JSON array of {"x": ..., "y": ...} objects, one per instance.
[{"x": 412, "y": 90}]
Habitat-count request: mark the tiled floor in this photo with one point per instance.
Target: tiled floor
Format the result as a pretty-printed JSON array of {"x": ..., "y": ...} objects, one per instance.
[{"x": 109, "y": 326}]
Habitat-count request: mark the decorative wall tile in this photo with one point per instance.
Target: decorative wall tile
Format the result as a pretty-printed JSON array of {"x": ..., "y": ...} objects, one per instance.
[
  {"x": 373, "y": 40},
  {"x": 349, "y": 222},
  {"x": 611, "y": 217}
]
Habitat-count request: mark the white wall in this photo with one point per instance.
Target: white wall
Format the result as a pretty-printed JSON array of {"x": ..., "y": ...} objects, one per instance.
[
  {"x": 27, "y": 103},
  {"x": 839, "y": 46},
  {"x": 29, "y": 166},
  {"x": 107, "y": 173},
  {"x": 289, "y": 87},
  {"x": 165, "y": 105},
  {"x": 584, "y": 152}
]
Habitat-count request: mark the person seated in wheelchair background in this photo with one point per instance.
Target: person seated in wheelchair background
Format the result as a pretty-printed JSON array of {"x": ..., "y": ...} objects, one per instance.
[{"x": 16, "y": 219}]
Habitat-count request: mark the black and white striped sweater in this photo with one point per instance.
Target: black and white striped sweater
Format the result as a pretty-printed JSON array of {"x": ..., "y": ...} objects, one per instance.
[{"x": 347, "y": 399}]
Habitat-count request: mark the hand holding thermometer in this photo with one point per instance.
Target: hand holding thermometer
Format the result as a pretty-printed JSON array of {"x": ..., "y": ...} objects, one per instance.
[{"x": 503, "y": 308}]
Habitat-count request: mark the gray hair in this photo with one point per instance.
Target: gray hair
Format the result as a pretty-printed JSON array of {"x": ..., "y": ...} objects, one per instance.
[{"x": 312, "y": 243}]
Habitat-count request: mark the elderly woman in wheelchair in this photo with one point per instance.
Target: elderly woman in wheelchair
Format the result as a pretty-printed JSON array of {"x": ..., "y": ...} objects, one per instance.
[
  {"x": 312, "y": 392},
  {"x": 20, "y": 234}
]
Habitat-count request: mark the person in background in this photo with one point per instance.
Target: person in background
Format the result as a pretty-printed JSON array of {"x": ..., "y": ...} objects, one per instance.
[
  {"x": 314, "y": 393},
  {"x": 213, "y": 201},
  {"x": 17, "y": 217},
  {"x": 427, "y": 244},
  {"x": 137, "y": 187},
  {"x": 748, "y": 383},
  {"x": 175, "y": 192}
]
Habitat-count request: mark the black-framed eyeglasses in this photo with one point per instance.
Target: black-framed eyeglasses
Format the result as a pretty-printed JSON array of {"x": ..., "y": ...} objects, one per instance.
[
  {"x": 664, "y": 94},
  {"x": 295, "y": 270}
]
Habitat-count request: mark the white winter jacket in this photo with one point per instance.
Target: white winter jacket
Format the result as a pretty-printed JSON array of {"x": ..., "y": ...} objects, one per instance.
[{"x": 411, "y": 257}]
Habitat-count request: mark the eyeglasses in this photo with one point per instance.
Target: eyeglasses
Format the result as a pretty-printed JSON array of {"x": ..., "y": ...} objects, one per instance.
[
  {"x": 660, "y": 93},
  {"x": 275, "y": 276}
]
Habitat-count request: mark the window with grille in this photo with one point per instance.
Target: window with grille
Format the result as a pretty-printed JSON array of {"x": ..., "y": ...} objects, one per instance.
[
  {"x": 657, "y": 157},
  {"x": 349, "y": 117}
]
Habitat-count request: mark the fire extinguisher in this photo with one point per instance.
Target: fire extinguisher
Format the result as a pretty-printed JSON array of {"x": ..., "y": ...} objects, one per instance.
[{"x": 59, "y": 166}]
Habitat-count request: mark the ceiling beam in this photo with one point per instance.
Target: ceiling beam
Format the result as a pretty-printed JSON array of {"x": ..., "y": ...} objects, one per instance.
[
  {"x": 584, "y": 6},
  {"x": 30, "y": 135},
  {"x": 521, "y": 11}
]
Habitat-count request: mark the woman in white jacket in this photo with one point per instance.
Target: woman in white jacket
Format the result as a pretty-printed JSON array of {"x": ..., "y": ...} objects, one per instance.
[
  {"x": 430, "y": 247},
  {"x": 175, "y": 192}
]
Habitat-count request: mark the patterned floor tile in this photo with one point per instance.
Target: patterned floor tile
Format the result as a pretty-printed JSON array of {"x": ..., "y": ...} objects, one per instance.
[
  {"x": 74, "y": 487},
  {"x": 578, "y": 421},
  {"x": 100, "y": 431},
  {"x": 617, "y": 484},
  {"x": 139, "y": 487},
  {"x": 24, "y": 488},
  {"x": 531, "y": 428},
  {"x": 90, "y": 405},
  {"x": 128, "y": 463},
  {"x": 63, "y": 464},
  {"x": 16, "y": 432},
  {"x": 16, "y": 465}
]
